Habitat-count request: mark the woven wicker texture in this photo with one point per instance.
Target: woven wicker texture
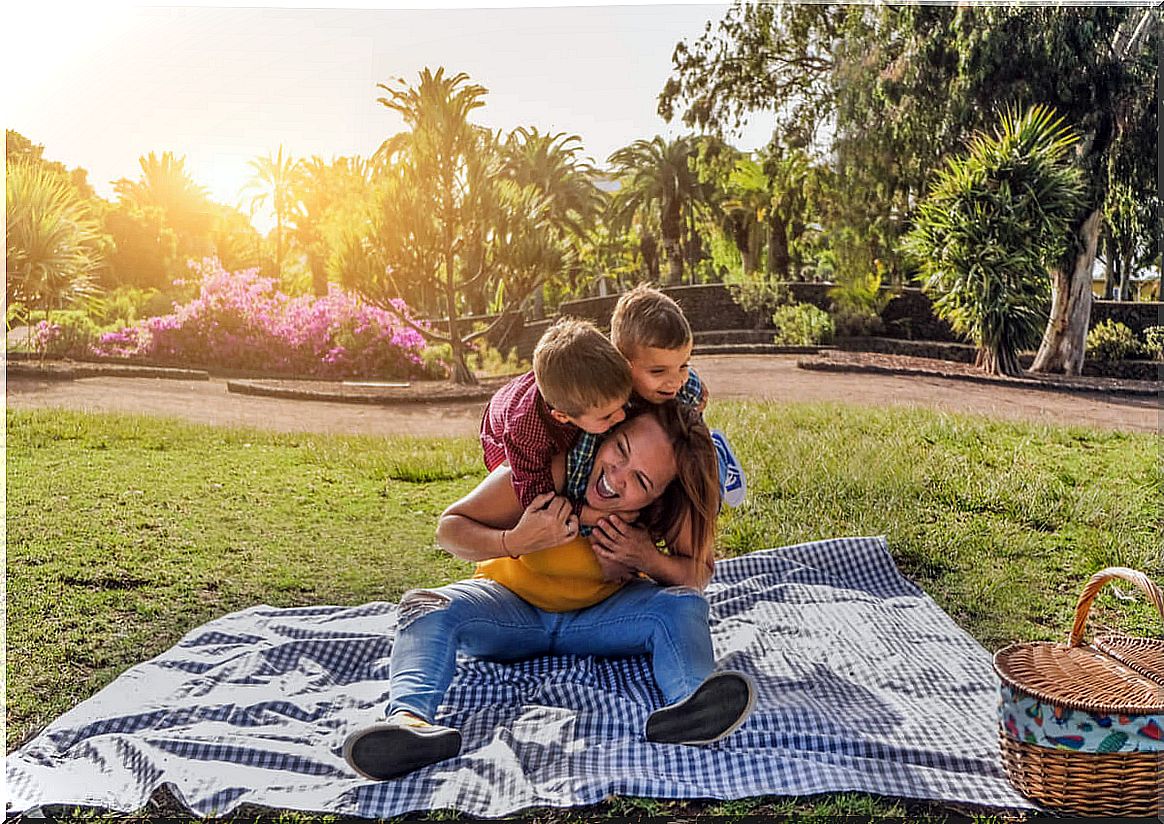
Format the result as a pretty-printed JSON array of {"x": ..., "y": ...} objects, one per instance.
[
  {"x": 1144, "y": 655},
  {"x": 1087, "y": 784},
  {"x": 1077, "y": 676}
]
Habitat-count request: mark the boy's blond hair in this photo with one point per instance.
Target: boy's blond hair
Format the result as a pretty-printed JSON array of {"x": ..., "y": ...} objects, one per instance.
[
  {"x": 577, "y": 368},
  {"x": 644, "y": 316}
]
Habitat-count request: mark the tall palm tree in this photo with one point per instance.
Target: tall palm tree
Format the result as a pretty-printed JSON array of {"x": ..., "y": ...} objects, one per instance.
[
  {"x": 568, "y": 183},
  {"x": 656, "y": 175},
  {"x": 166, "y": 184},
  {"x": 553, "y": 164},
  {"x": 274, "y": 179},
  {"x": 327, "y": 193}
]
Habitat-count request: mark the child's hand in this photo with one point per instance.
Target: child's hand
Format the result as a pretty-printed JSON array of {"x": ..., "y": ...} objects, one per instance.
[
  {"x": 548, "y": 521},
  {"x": 613, "y": 571},
  {"x": 616, "y": 540}
]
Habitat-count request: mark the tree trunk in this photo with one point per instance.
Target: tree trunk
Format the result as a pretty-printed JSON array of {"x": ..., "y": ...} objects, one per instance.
[
  {"x": 650, "y": 252},
  {"x": 1065, "y": 338},
  {"x": 778, "y": 259},
  {"x": 1124, "y": 267},
  {"x": 674, "y": 252},
  {"x": 318, "y": 276}
]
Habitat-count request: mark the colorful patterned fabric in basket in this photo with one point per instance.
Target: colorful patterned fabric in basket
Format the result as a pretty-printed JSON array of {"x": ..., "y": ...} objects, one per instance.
[{"x": 1026, "y": 718}]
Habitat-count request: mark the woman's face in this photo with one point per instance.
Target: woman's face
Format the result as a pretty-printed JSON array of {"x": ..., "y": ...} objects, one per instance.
[{"x": 633, "y": 466}]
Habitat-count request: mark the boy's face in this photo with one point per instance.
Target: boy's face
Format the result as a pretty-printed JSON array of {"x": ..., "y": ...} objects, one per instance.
[
  {"x": 597, "y": 419},
  {"x": 657, "y": 374}
]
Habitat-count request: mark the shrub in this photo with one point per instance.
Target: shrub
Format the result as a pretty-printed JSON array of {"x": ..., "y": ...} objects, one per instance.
[
  {"x": 240, "y": 320},
  {"x": 1109, "y": 341},
  {"x": 857, "y": 303},
  {"x": 802, "y": 324},
  {"x": 759, "y": 296},
  {"x": 66, "y": 334},
  {"x": 1154, "y": 342}
]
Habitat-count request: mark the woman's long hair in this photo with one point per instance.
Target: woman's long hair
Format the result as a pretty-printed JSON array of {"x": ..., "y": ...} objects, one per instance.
[{"x": 690, "y": 503}]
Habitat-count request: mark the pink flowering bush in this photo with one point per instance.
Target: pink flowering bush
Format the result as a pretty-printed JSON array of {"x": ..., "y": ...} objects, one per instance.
[{"x": 240, "y": 320}]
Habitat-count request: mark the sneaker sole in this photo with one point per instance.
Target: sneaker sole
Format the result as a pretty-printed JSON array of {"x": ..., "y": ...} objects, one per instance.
[
  {"x": 713, "y": 712},
  {"x": 385, "y": 751}
]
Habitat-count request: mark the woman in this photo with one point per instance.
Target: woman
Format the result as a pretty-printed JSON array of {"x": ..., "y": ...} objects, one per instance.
[{"x": 539, "y": 589}]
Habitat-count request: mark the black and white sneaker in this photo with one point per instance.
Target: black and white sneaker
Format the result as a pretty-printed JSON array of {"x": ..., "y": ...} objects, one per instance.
[
  {"x": 714, "y": 711},
  {"x": 398, "y": 746}
]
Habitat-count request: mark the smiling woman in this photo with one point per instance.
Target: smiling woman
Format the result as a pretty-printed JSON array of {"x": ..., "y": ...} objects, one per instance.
[{"x": 538, "y": 590}]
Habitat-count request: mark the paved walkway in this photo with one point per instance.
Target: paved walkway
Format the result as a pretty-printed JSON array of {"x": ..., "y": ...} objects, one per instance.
[{"x": 765, "y": 377}]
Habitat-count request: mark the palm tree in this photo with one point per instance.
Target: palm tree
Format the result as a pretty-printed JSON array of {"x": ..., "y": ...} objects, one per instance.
[
  {"x": 327, "y": 194},
  {"x": 165, "y": 184},
  {"x": 274, "y": 179},
  {"x": 656, "y": 176},
  {"x": 51, "y": 251},
  {"x": 568, "y": 183}
]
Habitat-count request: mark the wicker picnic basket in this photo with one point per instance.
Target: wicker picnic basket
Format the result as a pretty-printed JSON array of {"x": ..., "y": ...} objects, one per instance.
[{"x": 1080, "y": 724}]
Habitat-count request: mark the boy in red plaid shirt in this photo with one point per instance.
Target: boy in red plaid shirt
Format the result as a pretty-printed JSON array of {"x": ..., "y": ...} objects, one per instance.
[{"x": 580, "y": 382}]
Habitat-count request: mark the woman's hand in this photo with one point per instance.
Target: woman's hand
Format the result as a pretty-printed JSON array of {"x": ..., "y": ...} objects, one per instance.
[
  {"x": 617, "y": 541},
  {"x": 548, "y": 521}
]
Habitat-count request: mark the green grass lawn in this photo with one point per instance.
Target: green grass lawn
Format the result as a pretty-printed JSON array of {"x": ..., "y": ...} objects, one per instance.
[{"x": 124, "y": 533}]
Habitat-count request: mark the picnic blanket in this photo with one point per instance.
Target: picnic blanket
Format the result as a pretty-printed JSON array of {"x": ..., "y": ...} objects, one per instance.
[{"x": 864, "y": 684}]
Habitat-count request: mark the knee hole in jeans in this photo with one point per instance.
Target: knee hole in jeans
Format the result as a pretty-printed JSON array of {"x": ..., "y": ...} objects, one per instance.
[{"x": 417, "y": 603}]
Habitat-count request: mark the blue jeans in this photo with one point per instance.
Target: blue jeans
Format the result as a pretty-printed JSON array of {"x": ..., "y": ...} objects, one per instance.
[{"x": 484, "y": 619}]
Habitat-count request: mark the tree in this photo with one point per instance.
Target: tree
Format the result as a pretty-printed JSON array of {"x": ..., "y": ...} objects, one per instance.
[
  {"x": 274, "y": 180},
  {"x": 900, "y": 85},
  {"x": 51, "y": 252},
  {"x": 165, "y": 184},
  {"x": 145, "y": 247},
  {"x": 446, "y": 221},
  {"x": 991, "y": 228},
  {"x": 328, "y": 194},
  {"x": 553, "y": 165},
  {"x": 656, "y": 177}
]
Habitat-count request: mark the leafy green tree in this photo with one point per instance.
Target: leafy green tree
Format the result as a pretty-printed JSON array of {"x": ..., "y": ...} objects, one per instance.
[
  {"x": 447, "y": 223},
  {"x": 329, "y": 195},
  {"x": 901, "y": 85},
  {"x": 167, "y": 185},
  {"x": 273, "y": 181},
  {"x": 52, "y": 239},
  {"x": 657, "y": 178},
  {"x": 990, "y": 230},
  {"x": 145, "y": 246},
  {"x": 553, "y": 164}
]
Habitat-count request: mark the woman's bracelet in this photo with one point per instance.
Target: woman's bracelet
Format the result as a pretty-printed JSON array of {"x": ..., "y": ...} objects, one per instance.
[{"x": 504, "y": 548}]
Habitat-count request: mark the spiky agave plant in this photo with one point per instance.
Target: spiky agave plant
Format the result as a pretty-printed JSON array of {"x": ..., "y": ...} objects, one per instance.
[
  {"x": 51, "y": 253},
  {"x": 993, "y": 224}
]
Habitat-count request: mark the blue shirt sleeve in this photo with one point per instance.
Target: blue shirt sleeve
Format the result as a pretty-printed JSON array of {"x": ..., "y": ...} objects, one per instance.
[{"x": 691, "y": 391}]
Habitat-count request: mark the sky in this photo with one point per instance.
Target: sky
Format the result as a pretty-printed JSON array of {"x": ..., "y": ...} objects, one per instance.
[{"x": 100, "y": 85}]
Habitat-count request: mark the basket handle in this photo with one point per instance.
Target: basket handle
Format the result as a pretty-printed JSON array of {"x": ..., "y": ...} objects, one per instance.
[{"x": 1096, "y": 583}]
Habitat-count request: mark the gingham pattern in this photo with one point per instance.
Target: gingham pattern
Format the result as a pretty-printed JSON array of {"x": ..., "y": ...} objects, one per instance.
[
  {"x": 864, "y": 684},
  {"x": 580, "y": 459}
]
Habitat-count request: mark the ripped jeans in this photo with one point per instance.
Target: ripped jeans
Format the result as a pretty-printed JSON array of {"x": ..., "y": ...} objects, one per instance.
[{"x": 482, "y": 618}]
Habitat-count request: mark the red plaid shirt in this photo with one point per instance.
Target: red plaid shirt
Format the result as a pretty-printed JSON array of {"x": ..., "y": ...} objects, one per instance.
[{"x": 517, "y": 428}]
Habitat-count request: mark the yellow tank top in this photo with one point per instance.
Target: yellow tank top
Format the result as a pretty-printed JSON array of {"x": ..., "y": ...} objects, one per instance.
[{"x": 558, "y": 579}]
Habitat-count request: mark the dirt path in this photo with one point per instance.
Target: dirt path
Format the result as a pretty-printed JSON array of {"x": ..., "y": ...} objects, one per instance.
[{"x": 765, "y": 377}]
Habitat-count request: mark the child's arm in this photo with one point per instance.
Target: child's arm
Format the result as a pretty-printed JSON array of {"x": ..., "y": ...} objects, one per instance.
[{"x": 530, "y": 468}]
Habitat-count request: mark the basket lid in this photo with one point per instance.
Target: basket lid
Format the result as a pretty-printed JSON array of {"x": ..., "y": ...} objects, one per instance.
[
  {"x": 1144, "y": 655},
  {"x": 1078, "y": 678}
]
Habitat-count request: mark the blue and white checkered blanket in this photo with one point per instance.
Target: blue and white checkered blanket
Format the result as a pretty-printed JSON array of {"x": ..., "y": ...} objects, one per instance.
[{"x": 864, "y": 684}]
